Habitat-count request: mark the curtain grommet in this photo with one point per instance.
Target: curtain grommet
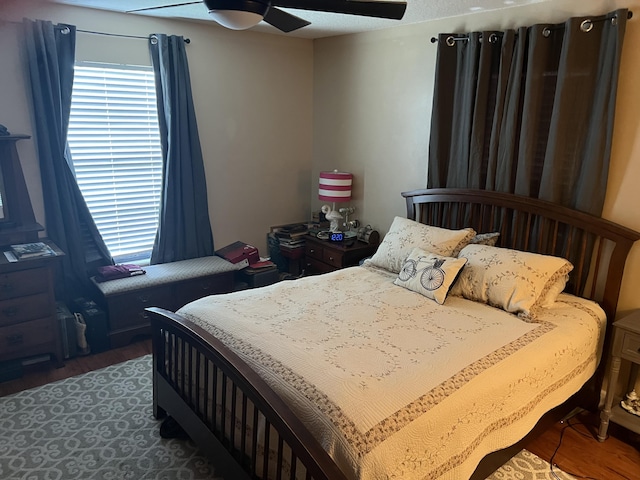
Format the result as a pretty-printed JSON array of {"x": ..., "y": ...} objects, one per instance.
[
  {"x": 450, "y": 41},
  {"x": 546, "y": 32},
  {"x": 586, "y": 25}
]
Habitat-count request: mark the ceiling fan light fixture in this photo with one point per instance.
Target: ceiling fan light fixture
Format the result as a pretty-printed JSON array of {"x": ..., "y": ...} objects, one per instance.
[{"x": 236, "y": 19}]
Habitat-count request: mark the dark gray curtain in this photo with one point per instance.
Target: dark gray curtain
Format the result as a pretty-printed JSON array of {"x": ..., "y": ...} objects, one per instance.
[
  {"x": 528, "y": 111},
  {"x": 184, "y": 229},
  {"x": 50, "y": 54}
]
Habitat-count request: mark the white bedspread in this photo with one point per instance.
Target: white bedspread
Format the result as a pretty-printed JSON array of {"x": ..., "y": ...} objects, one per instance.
[{"x": 394, "y": 385}]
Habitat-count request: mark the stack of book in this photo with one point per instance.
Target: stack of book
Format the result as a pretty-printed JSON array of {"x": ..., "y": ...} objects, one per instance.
[
  {"x": 291, "y": 236},
  {"x": 30, "y": 250}
]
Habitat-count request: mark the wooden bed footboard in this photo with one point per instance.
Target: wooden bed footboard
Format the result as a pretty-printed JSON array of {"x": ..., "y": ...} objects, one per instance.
[{"x": 214, "y": 395}]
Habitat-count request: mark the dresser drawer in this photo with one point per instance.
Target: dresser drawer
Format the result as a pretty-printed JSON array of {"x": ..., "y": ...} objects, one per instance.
[
  {"x": 332, "y": 257},
  {"x": 128, "y": 310},
  {"x": 191, "y": 290},
  {"x": 313, "y": 251},
  {"x": 22, "y": 309},
  {"x": 21, "y": 337},
  {"x": 23, "y": 283},
  {"x": 631, "y": 347},
  {"x": 314, "y": 266}
]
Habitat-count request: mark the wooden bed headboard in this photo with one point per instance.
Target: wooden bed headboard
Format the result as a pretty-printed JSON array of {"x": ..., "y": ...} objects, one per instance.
[{"x": 596, "y": 247}]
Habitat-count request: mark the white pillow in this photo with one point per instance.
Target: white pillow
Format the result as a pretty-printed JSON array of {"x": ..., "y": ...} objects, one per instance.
[
  {"x": 555, "y": 289},
  {"x": 512, "y": 280},
  {"x": 404, "y": 235},
  {"x": 429, "y": 274}
]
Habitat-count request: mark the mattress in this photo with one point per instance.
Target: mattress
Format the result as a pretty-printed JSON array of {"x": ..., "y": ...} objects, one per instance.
[{"x": 394, "y": 385}]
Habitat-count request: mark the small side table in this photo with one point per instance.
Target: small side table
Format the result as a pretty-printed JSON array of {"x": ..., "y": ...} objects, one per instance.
[
  {"x": 626, "y": 346},
  {"x": 322, "y": 256}
]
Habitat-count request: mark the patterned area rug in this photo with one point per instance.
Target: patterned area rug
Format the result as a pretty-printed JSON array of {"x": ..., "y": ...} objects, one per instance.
[
  {"x": 100, "y": 425},
  {"x": 527, "y": 466}
]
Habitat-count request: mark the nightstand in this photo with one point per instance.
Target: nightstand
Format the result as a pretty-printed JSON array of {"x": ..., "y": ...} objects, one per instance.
[
  {"x": 323, "y": 256},
  {"x": 626, "y": 345}
]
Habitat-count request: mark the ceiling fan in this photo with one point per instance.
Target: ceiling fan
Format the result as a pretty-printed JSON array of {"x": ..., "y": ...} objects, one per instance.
[{"x": 243, "y": 14}]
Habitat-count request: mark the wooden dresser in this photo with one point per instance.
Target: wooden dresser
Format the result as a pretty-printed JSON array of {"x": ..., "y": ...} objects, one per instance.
[{"x": 28, "y": 325}]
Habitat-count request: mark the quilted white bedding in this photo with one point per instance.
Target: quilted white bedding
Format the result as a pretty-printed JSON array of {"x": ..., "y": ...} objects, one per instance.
[{"x": 394, "y": 385}]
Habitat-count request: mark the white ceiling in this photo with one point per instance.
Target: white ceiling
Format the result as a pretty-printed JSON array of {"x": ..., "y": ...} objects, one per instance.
[{"x": 322, "y": 24}]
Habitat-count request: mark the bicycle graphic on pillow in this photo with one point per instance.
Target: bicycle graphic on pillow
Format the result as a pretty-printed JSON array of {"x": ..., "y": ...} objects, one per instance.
[{"x": 431, "y": 276}]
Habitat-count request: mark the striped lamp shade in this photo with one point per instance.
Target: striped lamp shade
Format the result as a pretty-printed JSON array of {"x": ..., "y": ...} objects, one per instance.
[{"x": 335, "y": 186}]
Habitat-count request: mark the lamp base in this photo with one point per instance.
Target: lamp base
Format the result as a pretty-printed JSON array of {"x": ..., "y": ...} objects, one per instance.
[{"x": 333, "y": 217}]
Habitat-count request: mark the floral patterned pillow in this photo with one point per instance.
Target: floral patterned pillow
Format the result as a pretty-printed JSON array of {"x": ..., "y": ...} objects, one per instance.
[
  {"x": 404, "y": 235},
  {"x": 518, "y": 282},
  {"x": 429, "y": 274},
  {"x": 555, "y": 289}
]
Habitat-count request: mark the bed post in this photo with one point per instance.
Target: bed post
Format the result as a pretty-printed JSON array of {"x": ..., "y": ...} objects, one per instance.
[{"x": 158, "y": 359}]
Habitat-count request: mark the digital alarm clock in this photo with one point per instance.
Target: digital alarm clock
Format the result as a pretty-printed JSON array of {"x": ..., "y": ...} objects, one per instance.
[{"x": 336, "y": 236}]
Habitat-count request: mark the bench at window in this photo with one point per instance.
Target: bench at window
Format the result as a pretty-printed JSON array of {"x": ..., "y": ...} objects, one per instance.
[{"x": 167, "y": 285}]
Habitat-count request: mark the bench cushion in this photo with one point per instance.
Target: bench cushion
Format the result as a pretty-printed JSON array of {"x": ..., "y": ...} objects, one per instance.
[{"x": 167, "y": 273}]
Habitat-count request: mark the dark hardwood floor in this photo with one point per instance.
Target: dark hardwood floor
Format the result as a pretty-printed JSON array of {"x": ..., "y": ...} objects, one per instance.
[
  {"x": 583, "y": 456},
  {"x": 579, "y": 453},
  {"x": 43, "y": 373}
]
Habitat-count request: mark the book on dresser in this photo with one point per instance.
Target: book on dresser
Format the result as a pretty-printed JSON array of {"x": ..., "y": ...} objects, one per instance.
[{"x": 30, "y": 250}]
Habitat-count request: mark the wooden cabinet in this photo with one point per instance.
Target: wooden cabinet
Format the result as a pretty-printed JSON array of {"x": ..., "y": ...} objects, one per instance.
[
  {"x": 168, "y": 285},
  {"x": 28, "y": 325},
  {"x": 625, "y": 346},
  {"x": 128, "y": 317},
  {"x": 126, "y": 312},
  {"x": 322, "y": 256}
]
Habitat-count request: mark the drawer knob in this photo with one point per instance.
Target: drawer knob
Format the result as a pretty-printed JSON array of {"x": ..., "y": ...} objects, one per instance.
[
  {"x": 312, "y": 251},
  {"x": 15, "y": 339},
  {"x": 143, "y": 299},
  {"x": 144, "y": 315}
]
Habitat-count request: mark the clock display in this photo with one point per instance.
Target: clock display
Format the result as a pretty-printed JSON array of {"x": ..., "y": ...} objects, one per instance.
[{"x": 336, "y": 236}]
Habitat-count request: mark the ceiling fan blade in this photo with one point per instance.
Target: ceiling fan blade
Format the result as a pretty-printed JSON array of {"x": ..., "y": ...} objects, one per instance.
[
  {"x": 163, "y": 6},
  {"x": 391, "y": 10},
  {"x": 284, "y": 21}
]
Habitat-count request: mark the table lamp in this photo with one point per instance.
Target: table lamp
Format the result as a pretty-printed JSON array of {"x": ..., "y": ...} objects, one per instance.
[{"x": 334, "y": 187}]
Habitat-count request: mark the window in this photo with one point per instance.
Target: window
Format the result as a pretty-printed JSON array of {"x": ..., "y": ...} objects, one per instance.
[{"x": 115, "y": 146}]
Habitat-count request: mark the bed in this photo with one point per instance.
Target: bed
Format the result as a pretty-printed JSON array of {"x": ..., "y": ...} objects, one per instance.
[{"x": 479, "y": 313}]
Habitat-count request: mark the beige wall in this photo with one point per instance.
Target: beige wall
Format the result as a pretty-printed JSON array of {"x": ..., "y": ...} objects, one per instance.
[
  {"x": 372, "y": 107},
  {"x": 253, "y": 104}
]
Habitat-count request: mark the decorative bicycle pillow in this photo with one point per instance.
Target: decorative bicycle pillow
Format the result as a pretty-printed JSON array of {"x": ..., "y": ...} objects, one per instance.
[{"x": 429, "y": 274}]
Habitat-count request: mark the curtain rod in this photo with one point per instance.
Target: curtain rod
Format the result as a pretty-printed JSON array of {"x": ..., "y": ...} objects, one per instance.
[
  {"x": 586, "y": 25},
  {"x": 186, "y": 40},
  {"x": 65, "y": 29}
]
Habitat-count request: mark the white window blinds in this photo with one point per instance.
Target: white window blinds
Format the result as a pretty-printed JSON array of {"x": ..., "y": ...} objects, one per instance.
[{"x": 115, "y": 146}]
